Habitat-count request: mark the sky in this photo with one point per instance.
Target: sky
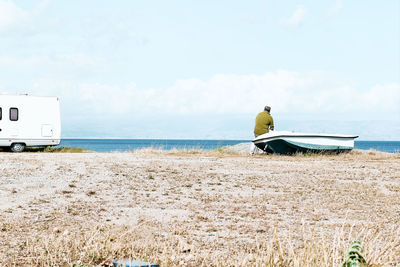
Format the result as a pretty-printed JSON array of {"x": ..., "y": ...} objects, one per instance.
[{"x": 204, "y": 69}]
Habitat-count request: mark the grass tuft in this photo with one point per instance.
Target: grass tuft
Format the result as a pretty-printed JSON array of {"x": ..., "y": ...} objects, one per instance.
[{"x": 50, "y": 149}]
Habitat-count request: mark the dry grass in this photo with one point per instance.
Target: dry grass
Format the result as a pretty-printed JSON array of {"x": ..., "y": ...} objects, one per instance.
[
  {"x": 194, "y": 208},
  {"x": 55, "y": 243},
  {"x": 50, "y": 149}
]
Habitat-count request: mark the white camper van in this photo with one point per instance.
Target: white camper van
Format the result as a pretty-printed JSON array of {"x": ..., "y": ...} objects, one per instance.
[{"x": 29, "y": 121}]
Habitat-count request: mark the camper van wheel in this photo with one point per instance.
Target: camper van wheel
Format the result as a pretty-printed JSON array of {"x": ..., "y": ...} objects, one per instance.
[{"x": 17, "y": 147}]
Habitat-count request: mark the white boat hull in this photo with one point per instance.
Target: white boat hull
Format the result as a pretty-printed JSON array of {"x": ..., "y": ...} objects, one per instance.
[{"x": 290, "y": 142}]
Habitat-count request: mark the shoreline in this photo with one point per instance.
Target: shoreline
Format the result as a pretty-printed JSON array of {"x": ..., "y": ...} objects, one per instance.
[{"x": 102, "y": 145}]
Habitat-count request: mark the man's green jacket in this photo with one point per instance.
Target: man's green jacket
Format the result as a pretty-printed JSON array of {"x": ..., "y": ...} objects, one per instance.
[{"x": 263, "y": 122}]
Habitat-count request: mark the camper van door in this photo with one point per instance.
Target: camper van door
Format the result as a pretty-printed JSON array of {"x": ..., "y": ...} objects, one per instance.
[
  {"x": 9, "y": 125},
  {"x": 1, "y": 127},
  {"x": 4, "y": 126}
]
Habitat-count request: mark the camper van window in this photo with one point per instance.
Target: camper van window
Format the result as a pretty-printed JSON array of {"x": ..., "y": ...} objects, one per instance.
[
  {"x": 13, "y": 114},
  {"x": 0, "y": 114}
]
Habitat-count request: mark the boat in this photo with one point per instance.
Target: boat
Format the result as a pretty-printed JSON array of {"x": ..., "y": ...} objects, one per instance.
[{"x": 286, "y": 142}]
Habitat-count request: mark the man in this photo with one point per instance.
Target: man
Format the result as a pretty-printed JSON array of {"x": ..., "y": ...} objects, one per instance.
[{"x": 264, "y": 123}]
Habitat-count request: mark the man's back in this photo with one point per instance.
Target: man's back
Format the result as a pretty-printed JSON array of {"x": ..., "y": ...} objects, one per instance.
[{"x": 263, "y": 121}]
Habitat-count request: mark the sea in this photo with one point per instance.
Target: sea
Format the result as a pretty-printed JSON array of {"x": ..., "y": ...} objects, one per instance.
[{"x": 123, "y": 145}]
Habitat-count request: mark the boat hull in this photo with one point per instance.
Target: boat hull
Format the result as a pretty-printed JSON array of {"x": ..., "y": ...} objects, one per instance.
[
  {"x": 281, "y": 146},
  {"x": 291, "y": 143}
]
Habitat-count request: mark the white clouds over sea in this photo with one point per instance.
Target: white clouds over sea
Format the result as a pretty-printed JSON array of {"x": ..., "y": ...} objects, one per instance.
[
  {"x": 314, "y": 93},
  {"x": 199, "y": 69},
  {"x": 307, "y": 102}
]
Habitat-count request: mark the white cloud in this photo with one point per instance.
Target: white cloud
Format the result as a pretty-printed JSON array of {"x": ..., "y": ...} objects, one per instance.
[
  {"x": 296, "y": 19},
  {"x": 224, "y": 106},
  {"x": 12, "y": 16},
  {"x": 312, "y": 93}
]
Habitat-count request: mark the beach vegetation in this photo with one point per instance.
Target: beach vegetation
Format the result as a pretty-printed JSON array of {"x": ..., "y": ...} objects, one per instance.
[
  {"x": 59, "y": 243},
  {"x": 65, "y": 150},
  {"x": 50, "y": 149}
]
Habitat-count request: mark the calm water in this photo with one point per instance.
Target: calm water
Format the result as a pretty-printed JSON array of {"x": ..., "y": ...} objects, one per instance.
[{"x": 110, "y": 145}]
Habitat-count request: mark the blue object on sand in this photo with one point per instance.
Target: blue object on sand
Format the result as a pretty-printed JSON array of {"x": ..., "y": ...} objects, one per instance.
[{"x": 134, "y": 263}]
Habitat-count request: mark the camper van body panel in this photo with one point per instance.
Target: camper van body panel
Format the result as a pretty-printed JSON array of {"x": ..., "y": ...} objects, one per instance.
[{"x": 31, "y": 120}]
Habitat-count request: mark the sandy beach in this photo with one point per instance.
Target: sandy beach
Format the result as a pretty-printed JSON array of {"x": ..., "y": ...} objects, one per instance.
[{"x": 193, "y": 208}]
